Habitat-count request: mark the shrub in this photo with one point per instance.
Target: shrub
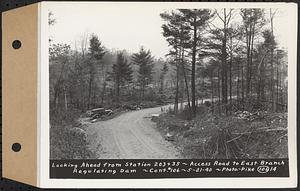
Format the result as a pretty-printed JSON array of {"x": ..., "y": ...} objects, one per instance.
[
  {"x": 67, "y": 136},
  {"x": 68, "y": 143},
  {"x": 234, "y": 136}
]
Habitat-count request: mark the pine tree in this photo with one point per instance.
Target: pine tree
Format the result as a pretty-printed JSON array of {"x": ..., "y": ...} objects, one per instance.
[
  {"x": 253, "y": 21},
  {"x": 177, "y": 33},
  {"x": 144, "y": 60},
  {"x": 121, "y": 73},
  {"x": 96, "y": 52},
  {"x": 96, "y": 49},
  {"x": 197, "y": 19}
]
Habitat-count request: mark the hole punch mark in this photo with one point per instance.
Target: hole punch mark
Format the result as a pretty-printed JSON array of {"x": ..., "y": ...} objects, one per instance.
[
  {"x": 16, "y": 147},
  {"x": 16, "y": 44}
]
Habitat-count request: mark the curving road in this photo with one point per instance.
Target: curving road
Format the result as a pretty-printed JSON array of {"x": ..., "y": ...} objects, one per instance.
[{"x": 131, "y": 135}]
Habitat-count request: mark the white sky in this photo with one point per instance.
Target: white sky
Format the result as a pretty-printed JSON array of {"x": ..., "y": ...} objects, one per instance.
[{"x": 130, "y": 25}]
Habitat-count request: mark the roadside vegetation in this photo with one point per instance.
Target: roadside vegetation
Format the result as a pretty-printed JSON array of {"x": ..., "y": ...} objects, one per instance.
[
  {"x": 242, "y": 134},
  {"x": 68, "y": 139}
]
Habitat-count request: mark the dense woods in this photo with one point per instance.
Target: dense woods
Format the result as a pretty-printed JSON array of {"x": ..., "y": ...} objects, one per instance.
[
  {"x": 230, "y": 54},
  {"x": 235, "y": 75},
  {"x": 226, "y": 59}
]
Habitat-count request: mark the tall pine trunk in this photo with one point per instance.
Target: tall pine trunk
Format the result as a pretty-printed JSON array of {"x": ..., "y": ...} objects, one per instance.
[
  {"x": 224, "y": 62},
  {"x": 277, "y": 81},
  {"x": 272, "y": 66},
  {"x": 103, "y": 92},
  {"x": 230, "y": 78},
  {"x": 193, "y": 83},
  {"x": 185, "y": 79},
  {"x": 238, "y": 81},
  {"x": 177, "y": 83},
  {"x": 212, "y": 88},
  {"x": 251, "y": 60},
  {"x": 65, "y": 99},
  {"x": 90, "y": 90},
  {"x": 242, "y": 79},
  {"x": 118, "y": 90},
  {"x": 248, "y": 68},
  {"x": 177, "y": 89},
  {"x": 219, "y": 93}
]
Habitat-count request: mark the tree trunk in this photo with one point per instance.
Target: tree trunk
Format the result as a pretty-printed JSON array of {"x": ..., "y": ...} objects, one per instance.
[
  {"x": 251, "y": 60},
  {"x": 65, "y": 99},
  {"x": 194, "y": 50},
  {"x": 238, "y": 81},
  {"x": 224, "y": 62},
  {"x": 55, "y": 99},
  {"x": 103, "y": 93},
  {"x": 212, "y": 89},
  {"x": 272, "y": 67},
  {"x": 230, "y": 78},
  {"x": 277, "y": 82},
  {"x": 90, "y": 91},
  {"x": 242, "y": 79},
  {"x": 181, "y": 87},
  {"x": 177, "y": 87},
  {"x": 162, "y": 84},
  {"x": 185, "y": 80},
  {"x": 280, "y": 86},
  {"x": 248, "y": 68},
  {"x": 219, "y": 93},
  {"x": 118, "y": 90}
]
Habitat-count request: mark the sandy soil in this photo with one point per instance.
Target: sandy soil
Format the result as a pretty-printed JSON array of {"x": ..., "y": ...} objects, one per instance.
[{"x": 131, "y": 135}]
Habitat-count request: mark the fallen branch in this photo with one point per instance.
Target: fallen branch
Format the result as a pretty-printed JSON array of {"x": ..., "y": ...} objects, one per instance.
[
  {"x": 261, "y": 130},
  {"x": 247, "y": 132},
  {"x": 285, "y": 135},
  {"x": 236, "y": 138},
  {"x": 240, "y": 135},
  {"x": 278, "y": 129}
]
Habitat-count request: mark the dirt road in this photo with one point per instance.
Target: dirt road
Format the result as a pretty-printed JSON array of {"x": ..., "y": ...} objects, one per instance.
[{"x": 131, "y": 135}]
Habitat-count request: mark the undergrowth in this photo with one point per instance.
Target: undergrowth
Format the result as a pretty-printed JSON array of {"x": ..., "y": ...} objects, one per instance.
[
  {"x": 68, "y": 139},
  {"x": 241, "y": 134}
]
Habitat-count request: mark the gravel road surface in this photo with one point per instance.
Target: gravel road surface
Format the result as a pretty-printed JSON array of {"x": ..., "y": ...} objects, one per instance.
[{"x": 131, "y": 135}]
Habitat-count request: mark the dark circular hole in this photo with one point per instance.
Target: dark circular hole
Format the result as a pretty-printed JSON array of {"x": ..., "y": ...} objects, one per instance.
[
  {"x": 16, "y": 147},
  {"x": 17, "y": 4},
  {"x": 7, "y": 5},
  {"x": 16, "y": 44}
]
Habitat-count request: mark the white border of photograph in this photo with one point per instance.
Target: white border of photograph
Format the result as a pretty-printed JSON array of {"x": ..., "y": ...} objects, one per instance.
[{"x": 247, "y": 182}]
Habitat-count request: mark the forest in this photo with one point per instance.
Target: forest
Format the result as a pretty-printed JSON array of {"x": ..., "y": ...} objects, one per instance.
[{"x": 223, "y": 65}]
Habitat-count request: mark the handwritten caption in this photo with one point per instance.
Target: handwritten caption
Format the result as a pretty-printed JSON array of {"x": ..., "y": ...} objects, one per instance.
[{"x": 167, "y": 168}]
